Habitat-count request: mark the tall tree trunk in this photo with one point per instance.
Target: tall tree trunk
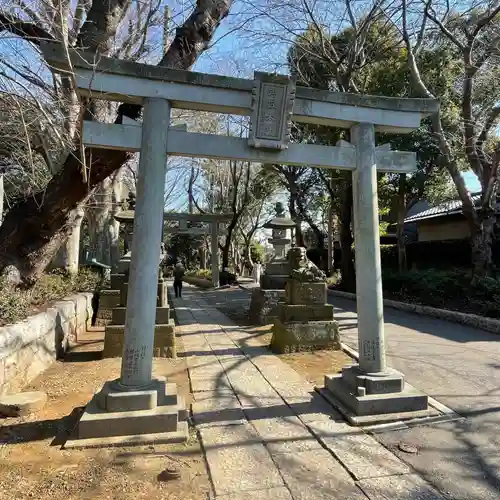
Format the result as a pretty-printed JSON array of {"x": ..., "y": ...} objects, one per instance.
[
  {"x": 226, "y": 248},
  {"x": 1, "y": 199},
  {"x": 192, "y": 178},
  {"x": 331, "y": 237},
  {"x": 98, "y": 216},
  {"x": 348, "y": 282},
  {"x": 401, "y": 210},
  {"x": 68, "y": 256},
  {"x": 34, "y": 228},
  {"x": 292, "y": 204},
  {"x": 114, "y": 225}
]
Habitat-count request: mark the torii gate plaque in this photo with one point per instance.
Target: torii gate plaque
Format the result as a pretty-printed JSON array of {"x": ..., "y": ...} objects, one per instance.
[{"x": 367, "y": 389}]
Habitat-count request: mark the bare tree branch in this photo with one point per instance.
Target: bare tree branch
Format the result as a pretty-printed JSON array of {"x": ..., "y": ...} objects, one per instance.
[{"x": 29, "y": 31}]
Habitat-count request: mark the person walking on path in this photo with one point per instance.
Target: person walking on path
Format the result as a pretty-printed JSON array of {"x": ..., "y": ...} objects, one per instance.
[
  {"x": 178, "y": 275},
  {"x": 257, "y": 270}
]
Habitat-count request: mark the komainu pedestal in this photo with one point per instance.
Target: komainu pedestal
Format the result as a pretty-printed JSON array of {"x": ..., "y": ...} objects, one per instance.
[{"x": 305, "y": 321}]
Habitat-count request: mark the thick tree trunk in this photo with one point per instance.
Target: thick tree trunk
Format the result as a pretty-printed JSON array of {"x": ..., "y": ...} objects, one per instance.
[
  {"x": 331, "y": 238},
  {"x": 226, "y": 248},
  {"x": 34, "y": 228},
  {"x": 98, "y": 217},
  {"x": 1, "y": 199},
  {"x": 348, "y": 282},
  {"x": 68, "y": 255},
  {"x": 292, "y": 204},
  {"x": 117, "y": 193}
]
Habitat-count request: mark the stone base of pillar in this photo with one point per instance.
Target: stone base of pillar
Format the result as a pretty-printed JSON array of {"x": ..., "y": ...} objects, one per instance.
[
  {"x": 304, "y": 336},
  {"x": 264, "y": 305},
  {"x": 275, "y": 275},
  {"x": 117, "y": 280},
  {"x": 305, "y": 321},
  {"x": 367, "y": 399},
  {"x": 109, "y": 299},
  {"x": 119, "y": 417},
  {"x": 162, "y": 316},
  {"x": 164, "y": 341},
  {"x": 161, "y": 298},
  {"x": 123, "y": 265}
]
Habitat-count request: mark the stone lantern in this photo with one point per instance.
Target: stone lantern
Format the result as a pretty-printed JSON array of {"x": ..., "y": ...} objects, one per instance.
[
  {"x": 265, "y": 299},
  {"x": 276, "y": 270}
]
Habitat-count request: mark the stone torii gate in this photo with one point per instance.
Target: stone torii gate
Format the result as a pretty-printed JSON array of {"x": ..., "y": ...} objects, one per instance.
[
  {"x": 272, "y": 102},
  {"x": 214, "y": 220},
  {"x": 183, "y": 218}
]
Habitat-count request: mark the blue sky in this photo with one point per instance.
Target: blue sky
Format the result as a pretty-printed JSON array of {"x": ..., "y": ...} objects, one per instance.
[{"x": 472, "y": 181}]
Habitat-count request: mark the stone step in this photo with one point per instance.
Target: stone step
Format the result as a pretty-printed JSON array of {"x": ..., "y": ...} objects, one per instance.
[
  {"x": 164, "y": 341},
  {"x": 408, "y": 400},
  {"x": 160, "y": 393},
  {"x": 180, "y": 435},
  {"x": 162, "y": 315},
  {"x": 288, "y": 313},
  {"x": 161, "y": 297},
  {"x": 108, "y": 299},
  {"x": 117, "y": 280},
  {"x": 97, "y": 423}
]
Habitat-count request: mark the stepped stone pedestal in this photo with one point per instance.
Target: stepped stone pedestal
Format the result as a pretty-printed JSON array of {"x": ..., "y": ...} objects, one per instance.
[
  {"x": 164, "y": 331},
  {"x": 265, "y": 300},
  {"x": 110, "y": 298},
  {"x": 305, "y": 320},
  {"x": 116, "y": 416}
]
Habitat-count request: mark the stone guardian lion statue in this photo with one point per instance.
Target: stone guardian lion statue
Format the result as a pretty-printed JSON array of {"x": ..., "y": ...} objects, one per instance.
[{"x": 301, "y": 268}]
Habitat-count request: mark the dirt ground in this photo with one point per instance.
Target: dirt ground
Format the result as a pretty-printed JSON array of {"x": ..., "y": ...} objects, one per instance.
[
  {"x": 313, "y": 365},
  {"x": 33, "y": 466}
]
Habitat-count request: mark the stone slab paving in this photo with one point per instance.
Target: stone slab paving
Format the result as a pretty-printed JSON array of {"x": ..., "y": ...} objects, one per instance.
[
  {"x": 238, "y": 460},
  {"x": 281, "y": 493},
  {"x": 264, "y": 429}
]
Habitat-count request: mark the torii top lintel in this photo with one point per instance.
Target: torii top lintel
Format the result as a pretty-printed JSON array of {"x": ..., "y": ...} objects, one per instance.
[
  {"x": 127, "y": 217},
  {"x": 120, "y": 80}
]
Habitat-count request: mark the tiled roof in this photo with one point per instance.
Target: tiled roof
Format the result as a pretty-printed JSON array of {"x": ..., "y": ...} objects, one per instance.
[{"x": 448, "y": 208}]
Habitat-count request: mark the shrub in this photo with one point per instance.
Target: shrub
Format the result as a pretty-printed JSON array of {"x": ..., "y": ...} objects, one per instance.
[
  {"x": 56, "y": 285},
  {"x": 200, "y": 273},
  {"x": 389, "y": 256},
  {"x": 444, "y": 289}
]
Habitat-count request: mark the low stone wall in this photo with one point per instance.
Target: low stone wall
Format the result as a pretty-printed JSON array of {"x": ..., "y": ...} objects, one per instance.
[
  {"x": 199, "y": 282},
  {"x": 482, "y": 322},
  {"x": 29, "y": 347}
]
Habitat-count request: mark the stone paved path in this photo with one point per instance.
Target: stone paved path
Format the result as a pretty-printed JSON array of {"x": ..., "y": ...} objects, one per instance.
[
  {"x": 460, "y": 367},
  {"x": 264, "y": 429},
  {"x": 457, "y": 365}
]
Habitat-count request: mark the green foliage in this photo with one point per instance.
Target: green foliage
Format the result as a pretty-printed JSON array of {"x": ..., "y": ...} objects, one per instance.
[
  {"x": 257, "y": 252},
  {"x": 20, "y": 303},
  {"x": 200, "y": 273},
  {"x": 381, "y": 69},
  {"x": 184, "y": 247},
  {"x": 334, "y": 279},
  {"x": 444, "y": 289},
  {"x": 389, "y": 256}
]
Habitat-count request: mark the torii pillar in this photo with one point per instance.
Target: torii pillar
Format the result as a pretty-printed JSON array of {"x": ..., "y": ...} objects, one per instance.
[{"x": 368, "y": 392}]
